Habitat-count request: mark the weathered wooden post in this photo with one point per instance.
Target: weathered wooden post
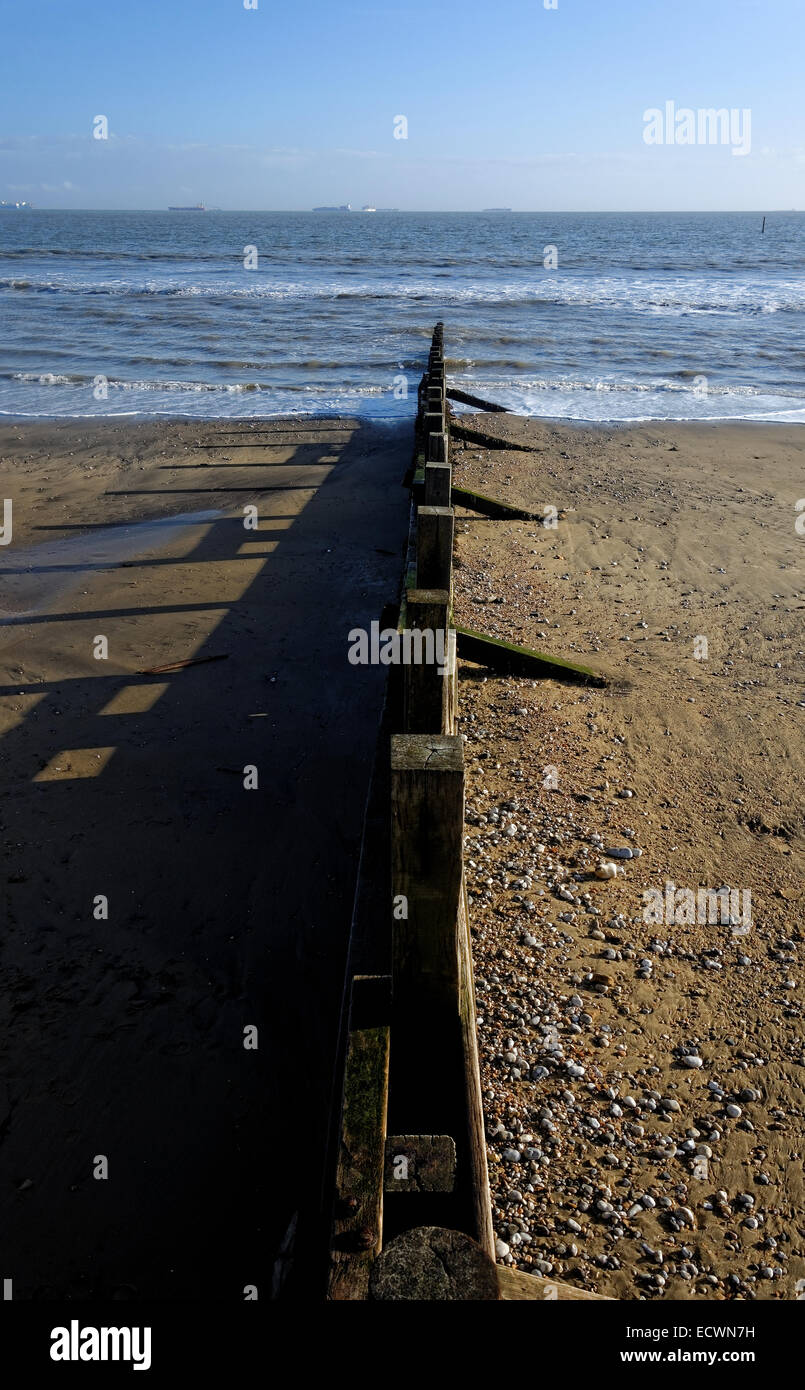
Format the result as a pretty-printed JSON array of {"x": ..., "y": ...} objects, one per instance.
[
  {"x": 437, "y": 483},
  {"x": 427, "y": 828},
  {"x": 425, "y": 677},
  {"x": 431, "y": 1264},
  {"x": 434, "y": 554},
  {"x": 436, "y": 448}
]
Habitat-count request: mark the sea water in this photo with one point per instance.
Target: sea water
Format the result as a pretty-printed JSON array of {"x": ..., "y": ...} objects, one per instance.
[{"x": 592, "y": 317}]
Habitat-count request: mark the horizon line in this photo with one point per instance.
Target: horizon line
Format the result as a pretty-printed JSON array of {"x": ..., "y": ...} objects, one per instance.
[{"x": 428, "y": 212}]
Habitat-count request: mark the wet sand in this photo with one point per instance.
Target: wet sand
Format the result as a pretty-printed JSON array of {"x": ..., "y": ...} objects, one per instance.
[
  {"x": 122, "y": 1036},
  {"x": 666, "y": 534}
]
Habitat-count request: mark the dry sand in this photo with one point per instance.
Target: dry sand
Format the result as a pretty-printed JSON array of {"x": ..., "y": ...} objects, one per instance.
[
  {"x": 227, "y": 907},
  {"x": 665, "y": 534}
]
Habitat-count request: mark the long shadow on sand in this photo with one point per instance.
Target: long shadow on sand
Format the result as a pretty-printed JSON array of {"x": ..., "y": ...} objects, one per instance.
[{"x": 227, "y": 907}]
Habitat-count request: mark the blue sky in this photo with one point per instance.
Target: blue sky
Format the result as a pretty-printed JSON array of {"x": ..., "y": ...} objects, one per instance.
[{"x": 293, "y": 104}]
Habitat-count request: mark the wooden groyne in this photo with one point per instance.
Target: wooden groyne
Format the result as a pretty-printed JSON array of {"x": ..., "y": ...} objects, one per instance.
[{"x": 411, "y": 1210}]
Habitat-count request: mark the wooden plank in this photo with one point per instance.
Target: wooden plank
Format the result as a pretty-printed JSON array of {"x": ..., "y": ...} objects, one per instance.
[
  {"x": 489, "y": 506},
  {"x": 450, "y": 705},
  {"x": 507, "y": 657},
  {"x": 517, "y": 1287},
  {"x": 431, "y": 1264},
  {"x": 476, "y": 1135},
  {"x": 409, "y": 581},
  {"x": 427, "y": 827},
  {"x": 465, "y": 398},
  {"x": 434, "y": 550},
  {"x": 420, "y": 1163},
  {"x": 486, "y": 441},
  {"x": 358, "y": 1214}
]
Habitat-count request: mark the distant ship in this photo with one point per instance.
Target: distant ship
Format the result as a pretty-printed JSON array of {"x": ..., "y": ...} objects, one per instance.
[
  {"x": 497, "y": 209},
  {"x": 344, "y": 207},
  {"x": 366, "y": 208},
  {"x": 15, "y": 207},
  {"x": 197, "y": 207}
]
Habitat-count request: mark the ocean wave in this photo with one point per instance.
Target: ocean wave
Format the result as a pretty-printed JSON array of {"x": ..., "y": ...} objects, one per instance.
[
  {"x": 487, "y": 386},
  {"x": 683, "y": 295},
  {"x": 85, "y": 382},
  {"x": 574, "y": 397},
  {"x": 630, "y": 402},
  {"x": 683, "y": 383}
]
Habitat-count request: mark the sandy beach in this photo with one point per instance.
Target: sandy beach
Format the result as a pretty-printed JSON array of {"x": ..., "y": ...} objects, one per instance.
[
  {"x": 122, "y": 1036},
  {"x": 157, "y": 909},
  {"x": 643, "y": 1082}
]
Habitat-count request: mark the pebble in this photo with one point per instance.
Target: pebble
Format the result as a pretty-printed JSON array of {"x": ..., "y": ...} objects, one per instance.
[{"x": 534, "y": 965}]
